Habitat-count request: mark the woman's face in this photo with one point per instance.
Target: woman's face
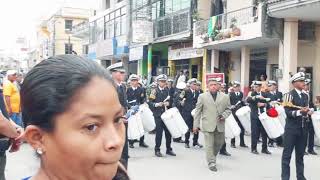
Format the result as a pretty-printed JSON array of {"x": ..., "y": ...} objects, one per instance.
[{"x": 88, "y": 138}]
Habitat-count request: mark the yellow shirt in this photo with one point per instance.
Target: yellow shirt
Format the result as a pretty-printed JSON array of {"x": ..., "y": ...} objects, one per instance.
[{"x": 11, "y": 90}]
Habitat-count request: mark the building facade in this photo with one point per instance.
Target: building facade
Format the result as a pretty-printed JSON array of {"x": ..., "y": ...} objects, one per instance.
[
  {"x": 108, "y": 40},
  {"x": 59, "y": 27}
]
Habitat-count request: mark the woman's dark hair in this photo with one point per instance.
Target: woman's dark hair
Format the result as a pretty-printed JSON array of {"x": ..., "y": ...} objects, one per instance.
[{"x": 49, "y": 87}]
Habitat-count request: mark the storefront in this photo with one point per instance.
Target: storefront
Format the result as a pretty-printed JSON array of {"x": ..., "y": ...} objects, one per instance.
[{"x": 183, "y": 56}]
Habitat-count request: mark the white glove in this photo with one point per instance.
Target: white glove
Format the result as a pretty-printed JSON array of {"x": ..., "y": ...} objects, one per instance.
[
  {"x": 183, "y": 101},
  {"x": 166, "y": 104},
  {"x": 158, "y": 104}
]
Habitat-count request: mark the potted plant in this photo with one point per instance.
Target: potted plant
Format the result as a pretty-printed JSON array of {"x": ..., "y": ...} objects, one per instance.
[{"x": 235, "y": 30}]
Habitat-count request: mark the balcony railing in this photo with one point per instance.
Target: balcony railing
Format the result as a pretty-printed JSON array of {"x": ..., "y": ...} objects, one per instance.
[
  {"x": 238, "y": 17},
  {"x": 172, "y": 24},
  {"x": 82, "y": 27},
  {"x": 227, "y": 20}
]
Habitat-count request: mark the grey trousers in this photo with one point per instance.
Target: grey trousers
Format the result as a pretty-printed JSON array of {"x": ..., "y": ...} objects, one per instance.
[
  {"x": 213, "y": 143},
  {"x": 3, "y": 161}
]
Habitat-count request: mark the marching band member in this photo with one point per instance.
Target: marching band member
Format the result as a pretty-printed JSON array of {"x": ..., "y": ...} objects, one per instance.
[
  {"x": 171, "y": 91},
  {"x": 136, "y": 96},
  {"x": 258, "y": 105},
  {"x": 212, "y": 108},
  {"x": 198, "y": 87},
  {"x": 236, "y": 98},
  {"x": 188, "y": 100},
  {"x": 158, "y": 101},
  {"x": 222, "y": 89},
  {"x": 310, "y": 136},
  {"x": 177, "y": 103},
  {"x": 274, "y": 96},
  {"x": 118, "y": 74},
  {"x": 297, "y": 110}
]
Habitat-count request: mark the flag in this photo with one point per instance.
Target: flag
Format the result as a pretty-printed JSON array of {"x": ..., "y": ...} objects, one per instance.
[{"x": 212, "y": 26}]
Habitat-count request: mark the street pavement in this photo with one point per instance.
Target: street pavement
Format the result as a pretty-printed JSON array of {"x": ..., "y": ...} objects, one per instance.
[{"x": 189, "y": 164}]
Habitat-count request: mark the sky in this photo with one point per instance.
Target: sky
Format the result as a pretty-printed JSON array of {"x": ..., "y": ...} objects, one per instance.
[{"x": 19, "y": 18}]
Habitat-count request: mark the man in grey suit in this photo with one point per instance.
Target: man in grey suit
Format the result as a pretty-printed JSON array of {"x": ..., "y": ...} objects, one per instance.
[{"x": 212, "y": 108}]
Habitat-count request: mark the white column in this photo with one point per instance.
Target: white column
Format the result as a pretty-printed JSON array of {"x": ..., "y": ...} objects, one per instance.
[
  {"x": 245, "y": 68},
  {"x": 288, "y": 54},
  {"x": 316, "y": 67},
  {"x": 214, "y": 59}
]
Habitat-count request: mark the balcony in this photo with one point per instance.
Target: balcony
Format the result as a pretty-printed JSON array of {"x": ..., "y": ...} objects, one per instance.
[
  {"x": 173, "y": 26},
  {"x": 306, "y": 10},
  {"x": 231, "y": 30},
  {"x": 81, "y": 30}
]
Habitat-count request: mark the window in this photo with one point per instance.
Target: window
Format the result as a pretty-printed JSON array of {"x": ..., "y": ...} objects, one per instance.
[
  {"x": 92, "y": 31},
  {"x": 68, "y": 48},
  {"x": 85, "y": 49},
  {"x": 68, "y": 25},
  {"x": 107, "y": 4},
  {"x": 99, "y": 29}
]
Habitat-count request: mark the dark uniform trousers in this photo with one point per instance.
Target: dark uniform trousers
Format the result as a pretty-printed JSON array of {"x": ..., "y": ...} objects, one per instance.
[
  {"x": 234, "y": 99},
  {"x": 310, "y": 136},
  {"x": 160, "y": 127},
  {"x": 190, "y": 103},
  {"x": 256, "y": 127},
  {"x": 295, "y": 136},
  {"x": 310, "y": 129},
  {"x": 121, "y": 90},
  {"x": 158, "y": 96}
]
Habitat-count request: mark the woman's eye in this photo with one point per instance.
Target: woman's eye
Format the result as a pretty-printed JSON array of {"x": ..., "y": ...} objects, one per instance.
[
  {"x": 120, "y": 119},
  {"x": 92, "y": 127}
]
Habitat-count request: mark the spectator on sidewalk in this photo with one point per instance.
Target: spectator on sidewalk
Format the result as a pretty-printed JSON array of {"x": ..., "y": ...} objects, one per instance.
[{"x": 12, "y": 97}]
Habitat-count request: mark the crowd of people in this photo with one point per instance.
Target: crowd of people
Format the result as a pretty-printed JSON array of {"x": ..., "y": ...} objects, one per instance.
[
  {"x": 77, "y": 111},
  {"x": 215, "y": 104}
]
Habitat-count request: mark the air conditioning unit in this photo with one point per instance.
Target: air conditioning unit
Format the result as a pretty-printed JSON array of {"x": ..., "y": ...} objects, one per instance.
[
  {"x": 307, "y": 31},
  {"x": 279, "y": 73}
]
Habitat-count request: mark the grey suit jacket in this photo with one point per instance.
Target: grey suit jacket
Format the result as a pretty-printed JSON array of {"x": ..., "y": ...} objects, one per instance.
[{"x": 207, "y": 111}]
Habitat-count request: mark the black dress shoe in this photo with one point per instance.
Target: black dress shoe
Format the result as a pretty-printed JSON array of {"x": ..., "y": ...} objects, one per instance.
[
  {"x": 233, "y": 146},
  {"x": 171, "y": 153},
  {"x": 254, "y": 152},
  {"x": 144, "y": 145},
  {"x": 312, "y": 153},
  {"x": 178, "y": 141},
  {"x": 131, "y": 146},
  {"x": 306, "y": 153},
  {"x": 197, "y": 145},
  {"x": 270, "y": 145},
  {"x": 158, "y": 154},
  {"x": 225, "y": 153},
  {"x": 187, "y": 146},
  {"x": 243, "y": 145},
  {"x": 213, "y": 168},
  {"x": 265, "y": 151},
  {"x": 280, "y": 145}
]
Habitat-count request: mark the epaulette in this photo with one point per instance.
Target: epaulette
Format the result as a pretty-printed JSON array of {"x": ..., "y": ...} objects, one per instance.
[
  {"x": 153, "y": 94},
  {"x": 287, "y": 98}
]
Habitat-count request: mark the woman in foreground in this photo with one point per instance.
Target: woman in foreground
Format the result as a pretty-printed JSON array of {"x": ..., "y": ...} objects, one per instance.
[{"x": 73, "y": 120}]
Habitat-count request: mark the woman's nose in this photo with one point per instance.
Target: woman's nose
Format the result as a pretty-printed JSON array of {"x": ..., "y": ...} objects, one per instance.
[{"x": 113, "y": 139}]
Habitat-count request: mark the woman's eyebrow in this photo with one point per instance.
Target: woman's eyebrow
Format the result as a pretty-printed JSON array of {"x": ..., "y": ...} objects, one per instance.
[{"x": 120, "y": 111}]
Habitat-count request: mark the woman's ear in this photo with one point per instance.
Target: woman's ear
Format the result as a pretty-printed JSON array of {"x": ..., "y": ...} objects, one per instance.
[{"x": 35, "y": 137}]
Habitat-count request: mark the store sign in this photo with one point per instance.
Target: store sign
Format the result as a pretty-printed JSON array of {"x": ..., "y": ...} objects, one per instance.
[
  {"x": 105, "y": 48},
  {"x": 215, "y": 75},
  {"x": 136, "y": 53},
  {"x": 142, "y": 31},
  {"x": 185, "y": 53}
]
